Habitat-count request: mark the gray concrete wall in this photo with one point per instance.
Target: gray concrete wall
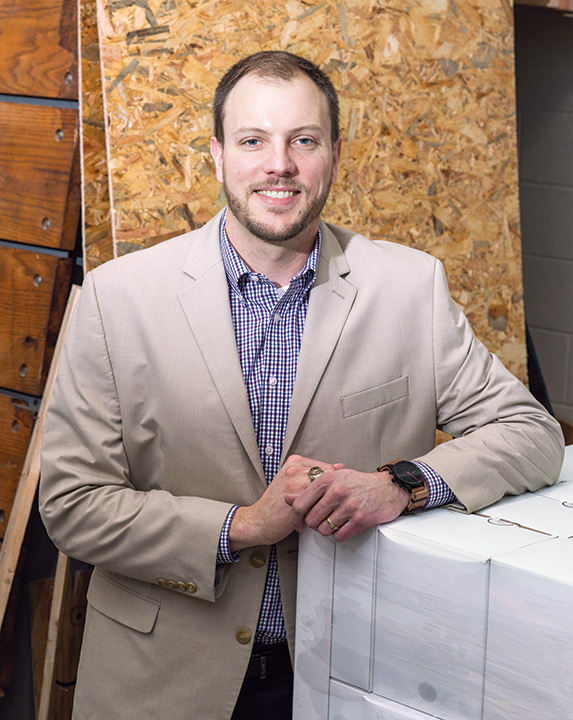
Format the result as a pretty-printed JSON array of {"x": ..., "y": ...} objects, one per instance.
[{"x": 544, "y": 76}]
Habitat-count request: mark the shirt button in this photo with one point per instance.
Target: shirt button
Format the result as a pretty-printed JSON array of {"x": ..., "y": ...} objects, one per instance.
[
  {"x": 273, "y": 381},
  {"x": 257, "y": 560},
  {"x": 243, "y": 636},
  {"x": 269, "y": 450},
  {"x": 276, "y": 317}
]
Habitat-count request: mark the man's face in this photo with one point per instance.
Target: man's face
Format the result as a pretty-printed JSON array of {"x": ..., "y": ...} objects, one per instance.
[{"x": 277, "y": 162}]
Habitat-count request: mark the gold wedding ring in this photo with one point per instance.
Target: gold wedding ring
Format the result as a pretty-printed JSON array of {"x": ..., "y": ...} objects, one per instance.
[
  {"x": 331, "y": 525},
  {"x": 314, "y": 472}
]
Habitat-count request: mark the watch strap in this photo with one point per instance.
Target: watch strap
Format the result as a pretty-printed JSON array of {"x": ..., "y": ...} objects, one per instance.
[{"x": 418, "y": 498}]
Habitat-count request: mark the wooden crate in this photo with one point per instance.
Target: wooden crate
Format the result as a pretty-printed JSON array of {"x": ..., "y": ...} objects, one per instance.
[
  {"x": 63, "y": 642},
  {"x": 16, "y": 423},
  {"x": 33, "y": 293},
  {"x": 38, "y": 48},
  {"x": 39, "y": 175}
]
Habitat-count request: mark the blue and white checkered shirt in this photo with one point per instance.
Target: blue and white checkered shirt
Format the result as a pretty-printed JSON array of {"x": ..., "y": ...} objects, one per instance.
[{"x": 268, "y": 329}]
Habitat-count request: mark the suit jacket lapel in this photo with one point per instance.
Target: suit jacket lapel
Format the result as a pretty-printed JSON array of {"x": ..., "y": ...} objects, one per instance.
[
  {"x": 331, "y": 299},
  {"x": 206, "y": 306}
]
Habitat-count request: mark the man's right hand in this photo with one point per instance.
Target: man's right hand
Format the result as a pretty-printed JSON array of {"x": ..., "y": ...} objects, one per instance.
[{"x": 269, "y": 520}]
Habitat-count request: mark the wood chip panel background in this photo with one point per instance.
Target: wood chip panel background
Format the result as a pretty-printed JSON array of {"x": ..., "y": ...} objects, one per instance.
[
  {"x": 97, "y": 234},
  {"x": 428, "y": 115}
]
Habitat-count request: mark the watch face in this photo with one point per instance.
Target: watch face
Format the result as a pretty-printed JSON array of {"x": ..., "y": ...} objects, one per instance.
[{"x": 408, "y": 475}]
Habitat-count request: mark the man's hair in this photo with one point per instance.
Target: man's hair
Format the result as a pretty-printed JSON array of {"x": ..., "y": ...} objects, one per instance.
[{"x": 275, "y": 64}]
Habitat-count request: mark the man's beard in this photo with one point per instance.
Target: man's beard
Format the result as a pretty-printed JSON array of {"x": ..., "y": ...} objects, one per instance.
[{"x": 241, "y": 211}]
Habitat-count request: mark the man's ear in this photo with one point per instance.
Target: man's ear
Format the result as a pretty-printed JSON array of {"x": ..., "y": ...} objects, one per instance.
[{"x": 217, "y": 154}]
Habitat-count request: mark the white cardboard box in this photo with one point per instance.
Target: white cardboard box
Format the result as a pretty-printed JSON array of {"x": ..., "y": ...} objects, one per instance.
[
  {"x": 431, "y": 609},
  {"x": 401, "y": 612},
  {"x": 348, "y": 703},
  {"x": 562, "y": 491},
  {"x": 536, "y": 511},
  {"x": 529, "y": 668}
]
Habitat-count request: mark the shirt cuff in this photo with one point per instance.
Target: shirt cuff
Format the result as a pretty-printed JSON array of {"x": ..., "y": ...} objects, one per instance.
[
  {"x": 438, "y": 492},
  {"x": 224, "y": 554}
]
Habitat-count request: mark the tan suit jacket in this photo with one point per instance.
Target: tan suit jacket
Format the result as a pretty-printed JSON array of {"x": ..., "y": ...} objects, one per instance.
[{"x": 149, "y": 441}]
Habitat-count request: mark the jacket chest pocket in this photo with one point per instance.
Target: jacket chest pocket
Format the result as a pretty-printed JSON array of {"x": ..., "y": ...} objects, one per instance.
[{"x": 375, "y": 397}]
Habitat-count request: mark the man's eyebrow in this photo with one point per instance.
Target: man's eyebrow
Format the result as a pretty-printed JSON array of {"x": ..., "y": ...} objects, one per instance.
[{"x": 263, "y": 131}]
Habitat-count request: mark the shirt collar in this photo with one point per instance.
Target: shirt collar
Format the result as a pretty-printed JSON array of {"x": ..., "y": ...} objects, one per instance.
[{"x": 238, "y": 273}]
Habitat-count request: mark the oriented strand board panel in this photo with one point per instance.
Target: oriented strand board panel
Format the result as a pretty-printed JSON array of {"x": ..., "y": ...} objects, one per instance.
[
  {"x": 428, "y": 112},
  {"x": 16, "y": 423},
  {"x": 97, "y": 234},
  {"x": 39, "y": 178},
  {"x": 38, "y": 48},
  {"x": 33, "y": 292}
]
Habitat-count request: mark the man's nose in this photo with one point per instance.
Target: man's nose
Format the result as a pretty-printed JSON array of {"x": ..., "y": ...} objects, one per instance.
[{"x": 279, "y": 160}]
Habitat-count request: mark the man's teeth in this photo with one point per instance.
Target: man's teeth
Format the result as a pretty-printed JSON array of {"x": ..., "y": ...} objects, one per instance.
[{"x": 278, "y": 194}]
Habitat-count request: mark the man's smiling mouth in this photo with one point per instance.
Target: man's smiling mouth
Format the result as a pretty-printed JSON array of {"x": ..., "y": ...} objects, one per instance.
[{"x": 278, "y": 194}]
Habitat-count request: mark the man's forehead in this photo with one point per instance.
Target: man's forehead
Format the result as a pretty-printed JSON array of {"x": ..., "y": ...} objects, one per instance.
[
  {"x": 254, "y": 90},
  {"x": 266, "y": 79}
]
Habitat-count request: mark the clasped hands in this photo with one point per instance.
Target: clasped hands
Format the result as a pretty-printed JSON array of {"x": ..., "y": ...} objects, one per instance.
[{"x": 339, "y": 502}]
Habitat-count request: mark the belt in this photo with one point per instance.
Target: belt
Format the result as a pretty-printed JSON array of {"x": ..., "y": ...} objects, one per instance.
[{"x": 268, "y": 660}]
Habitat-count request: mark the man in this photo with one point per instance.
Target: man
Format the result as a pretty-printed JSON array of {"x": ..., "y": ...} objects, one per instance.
[{"x": 222, "y": 391}]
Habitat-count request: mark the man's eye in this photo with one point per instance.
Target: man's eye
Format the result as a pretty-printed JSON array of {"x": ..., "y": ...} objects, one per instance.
[
  {"x": 251, "y": 142},
  {"x": 304, "y": 141}
]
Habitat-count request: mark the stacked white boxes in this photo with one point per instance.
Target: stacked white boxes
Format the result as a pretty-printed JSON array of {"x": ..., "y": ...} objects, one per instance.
[
  {"x": 529, "y": 668},
  {"x": 349, "y": 702},
  {"x": 441, "y": 615}
]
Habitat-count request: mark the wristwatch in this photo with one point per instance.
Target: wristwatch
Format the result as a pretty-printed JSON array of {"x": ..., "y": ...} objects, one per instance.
[{"x": 409, "y": 476}]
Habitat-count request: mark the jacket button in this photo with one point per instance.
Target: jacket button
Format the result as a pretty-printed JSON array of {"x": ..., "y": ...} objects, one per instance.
[
  {"x": 181, "y": 586},
  {"x": 191, "y": 587},
  {"x": 243, "y": 636},
  {"x": 171, "y": 584},
  {"x": 257, "y": 560},
  {"x": 162, "y": 582}
]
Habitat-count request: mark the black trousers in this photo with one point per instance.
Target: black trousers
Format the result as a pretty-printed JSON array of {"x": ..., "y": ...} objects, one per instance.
[{"x": 268, "y": 685}]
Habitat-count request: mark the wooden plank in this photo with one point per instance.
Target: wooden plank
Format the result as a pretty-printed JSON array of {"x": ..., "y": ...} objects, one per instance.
[
  {"x": 33, "y": 291},
  {"x": 57, "y": 648},
  {"x": 16, "y": 423},
  {"x": 8, "y": 629},
  {"x": 38, "y": 48},
  {"x": 26, "y": 492},
  {"x": 40, "y": 594},
  {"x": 564, "y": 5},
  {"x": 39, "y": 181},
  {"x": 56, "y": 610}
]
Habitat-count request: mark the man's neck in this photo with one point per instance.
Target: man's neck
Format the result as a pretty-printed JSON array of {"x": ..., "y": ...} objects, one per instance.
[{"x": 279, "y": 261}]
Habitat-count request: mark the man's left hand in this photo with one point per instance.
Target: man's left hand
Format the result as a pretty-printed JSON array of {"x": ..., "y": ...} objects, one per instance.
[{"x": 349, "y": 500}]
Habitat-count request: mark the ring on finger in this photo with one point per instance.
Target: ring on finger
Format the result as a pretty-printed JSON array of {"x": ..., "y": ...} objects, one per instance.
[
  {"x": 314, "y": 472},
  {"x": 331, "y": 525}
]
